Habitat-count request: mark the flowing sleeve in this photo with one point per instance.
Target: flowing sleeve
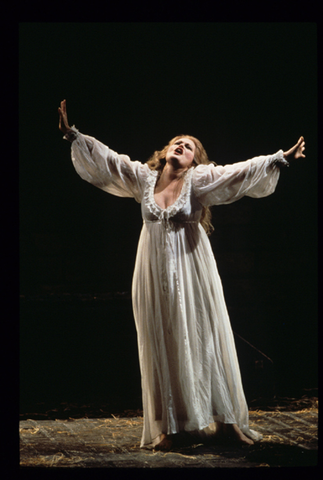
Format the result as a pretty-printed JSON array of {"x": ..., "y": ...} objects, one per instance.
[
  {"x": 102, "y": 167},
  {"x": 257, "y": 177}
]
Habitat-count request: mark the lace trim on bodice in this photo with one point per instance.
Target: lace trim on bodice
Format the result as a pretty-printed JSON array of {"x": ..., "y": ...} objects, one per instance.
[{"x": 171, "y": 210}]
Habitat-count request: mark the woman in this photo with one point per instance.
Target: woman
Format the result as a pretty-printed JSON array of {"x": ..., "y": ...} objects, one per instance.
[{"x": 189, "y": 368}]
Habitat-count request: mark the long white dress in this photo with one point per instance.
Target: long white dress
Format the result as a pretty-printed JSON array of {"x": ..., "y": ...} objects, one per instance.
[{"x": 188, "y": 362}]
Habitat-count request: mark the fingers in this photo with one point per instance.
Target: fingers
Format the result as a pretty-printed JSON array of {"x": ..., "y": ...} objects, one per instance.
[
  {"x": 62, "y": 109},
  {"x": 63, "y": 122},
  {"x": 299, "y": 142},
  {"x": 301, "y": 147},
  {"x": 63, "y": 106},
  {"x": 297, "y": 150}
]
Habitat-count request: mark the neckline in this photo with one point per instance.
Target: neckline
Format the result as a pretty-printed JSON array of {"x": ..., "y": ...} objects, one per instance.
[{"x": 178, "y": 199}]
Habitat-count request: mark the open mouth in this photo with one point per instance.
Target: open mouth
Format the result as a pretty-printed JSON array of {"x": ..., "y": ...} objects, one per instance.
[{"x": 179, "y": 150}]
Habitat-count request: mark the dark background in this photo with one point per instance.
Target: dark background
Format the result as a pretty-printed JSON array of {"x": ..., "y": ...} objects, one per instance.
[{"x": 243, "y": 89}]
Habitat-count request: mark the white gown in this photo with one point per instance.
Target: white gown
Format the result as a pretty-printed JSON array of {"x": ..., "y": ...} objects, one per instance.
[{"x": 189, "y": 368}]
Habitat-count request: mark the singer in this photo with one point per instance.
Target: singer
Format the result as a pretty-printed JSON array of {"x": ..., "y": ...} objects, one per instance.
[{"x": 188, "y": 362}]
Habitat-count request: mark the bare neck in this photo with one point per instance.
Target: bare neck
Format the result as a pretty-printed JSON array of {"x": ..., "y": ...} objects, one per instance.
[{"x": 170, "y": 173}]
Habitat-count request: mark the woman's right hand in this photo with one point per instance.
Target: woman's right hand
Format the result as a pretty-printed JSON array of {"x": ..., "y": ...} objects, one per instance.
[
  {"x": 296, "y": 151},
  {"x": 63, "y": 123}
]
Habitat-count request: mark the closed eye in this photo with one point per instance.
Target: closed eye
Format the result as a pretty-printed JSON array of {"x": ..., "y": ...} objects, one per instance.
[{"x": 187, "y": 145}]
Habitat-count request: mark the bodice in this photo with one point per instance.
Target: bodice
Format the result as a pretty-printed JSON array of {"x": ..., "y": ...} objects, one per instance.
[{"x": 186, "y": 208}]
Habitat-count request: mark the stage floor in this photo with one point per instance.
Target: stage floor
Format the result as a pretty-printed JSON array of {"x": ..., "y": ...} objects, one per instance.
[{"x": 289, "y": 440}]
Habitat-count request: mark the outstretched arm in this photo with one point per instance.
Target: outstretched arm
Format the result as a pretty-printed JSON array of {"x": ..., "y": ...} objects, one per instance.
[
  {"x": 257, "y": 177},
  {"x": 296, "y": 151},
  {"x": 99, "y": 165}
]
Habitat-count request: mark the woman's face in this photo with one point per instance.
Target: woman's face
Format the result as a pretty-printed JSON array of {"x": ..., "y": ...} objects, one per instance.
[{"x": 181, "y": 153}]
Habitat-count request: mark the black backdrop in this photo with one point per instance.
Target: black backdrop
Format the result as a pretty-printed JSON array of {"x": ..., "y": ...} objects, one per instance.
[{"x": 243, "y": 89}]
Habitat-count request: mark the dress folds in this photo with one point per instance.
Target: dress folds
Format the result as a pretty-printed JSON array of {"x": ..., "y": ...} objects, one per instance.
[{"x": 189, "y": 368}]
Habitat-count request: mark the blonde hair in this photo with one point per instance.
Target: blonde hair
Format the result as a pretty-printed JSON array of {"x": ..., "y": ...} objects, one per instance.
[{"x": 158, "y": 161}]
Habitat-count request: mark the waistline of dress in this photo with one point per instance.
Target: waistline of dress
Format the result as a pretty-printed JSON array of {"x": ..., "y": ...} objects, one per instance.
[{"x": 179, "y": 223}]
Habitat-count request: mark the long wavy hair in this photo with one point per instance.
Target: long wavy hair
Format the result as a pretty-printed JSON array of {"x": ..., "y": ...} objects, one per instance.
[{"x": 158, "y": 161}]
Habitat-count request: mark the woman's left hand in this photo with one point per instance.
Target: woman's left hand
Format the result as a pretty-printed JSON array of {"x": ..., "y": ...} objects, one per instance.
[
  {"x": 296, "y": 151},
  {"x": 63, "y": 122}
]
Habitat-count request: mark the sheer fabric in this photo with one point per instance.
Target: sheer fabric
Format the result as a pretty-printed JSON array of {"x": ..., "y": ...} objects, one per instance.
[{"x": 189, "y": 368}]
